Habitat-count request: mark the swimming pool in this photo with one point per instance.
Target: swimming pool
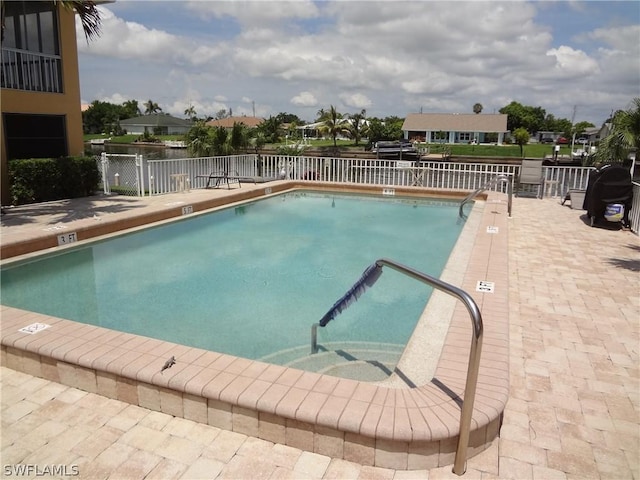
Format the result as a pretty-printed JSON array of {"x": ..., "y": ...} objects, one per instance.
[
  {"x": 409, "y": 421},
  {"x": 251, "y": 280}
]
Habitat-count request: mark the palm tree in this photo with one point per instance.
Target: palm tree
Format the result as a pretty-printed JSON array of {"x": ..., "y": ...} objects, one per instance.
[
  {"x": 477, "y": 108},
  {"x": 200, "y": 140},
  {"x": 257, "y": 141},
  {"x": 271, "y": 130},
  {"x": 321, "y": 115},
  {"x": 334, "y": 124},
  {"x": 358, "y": 125},
  {"x": 624, "y": 136},
  {"x": 131, "y": 108},
  {"x": 190, "y": 112},
  {"x": 151, "y": 107},
  {"x": 221, "y": 141}
]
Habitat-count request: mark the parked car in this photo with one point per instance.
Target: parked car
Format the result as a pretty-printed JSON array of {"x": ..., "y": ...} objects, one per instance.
[
  {"x": 546, "y": 140},
  {"x": 562, "y": 140}
]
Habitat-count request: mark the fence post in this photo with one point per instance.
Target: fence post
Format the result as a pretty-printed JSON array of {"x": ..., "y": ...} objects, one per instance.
[
  {"x": 139, "y": 175},
  {"x": 104, "y": 161}
]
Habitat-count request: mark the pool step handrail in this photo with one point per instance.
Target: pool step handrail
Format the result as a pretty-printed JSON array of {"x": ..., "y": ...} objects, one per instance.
[
  {"x": 466, "y": 413},
  {"x": 502, "y": 178}
]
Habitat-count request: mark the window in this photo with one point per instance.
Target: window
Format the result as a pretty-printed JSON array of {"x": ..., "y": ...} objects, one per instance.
[
  {"x": 35, "y": 136},
  {"x": 464, "y": 136},
  {"x": 30, "y": 47},
  {"x": 439, "y": 136},
  {"x": 31, "y": 26}
]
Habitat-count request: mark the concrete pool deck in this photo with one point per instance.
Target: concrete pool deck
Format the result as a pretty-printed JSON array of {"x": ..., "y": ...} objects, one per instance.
[{"x": 573, "y": 396}]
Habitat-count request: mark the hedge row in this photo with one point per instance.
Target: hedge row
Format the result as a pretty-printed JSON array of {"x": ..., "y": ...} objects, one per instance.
[{"x": 37, "y": 180}]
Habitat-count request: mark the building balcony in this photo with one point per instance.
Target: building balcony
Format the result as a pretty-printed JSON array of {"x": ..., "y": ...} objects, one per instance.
[{"x": 36, "y": 72}]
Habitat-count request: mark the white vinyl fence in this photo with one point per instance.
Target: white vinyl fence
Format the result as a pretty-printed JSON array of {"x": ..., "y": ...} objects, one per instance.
[
  {"x": 128, "y": 173},
  {"x": 634, "y": 214}
]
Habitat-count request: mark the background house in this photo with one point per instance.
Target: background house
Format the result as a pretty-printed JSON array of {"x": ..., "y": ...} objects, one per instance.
[
  {"x": 455, "y": 127},
  {"x": 228, "y": 122},
  {"x": 40, "y": 85},
  {"x": 157, "y": 124}
]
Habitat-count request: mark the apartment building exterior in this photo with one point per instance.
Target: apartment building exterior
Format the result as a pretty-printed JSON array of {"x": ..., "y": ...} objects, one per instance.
[{"x": 40, "y": 85}]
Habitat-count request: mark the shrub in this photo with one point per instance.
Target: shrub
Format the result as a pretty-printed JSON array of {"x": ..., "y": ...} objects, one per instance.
[
  {"x": 294, "y": 150},
  {"x": 37, "y": 180}
]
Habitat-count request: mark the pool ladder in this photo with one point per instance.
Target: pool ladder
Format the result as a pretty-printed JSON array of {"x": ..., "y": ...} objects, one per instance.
[
  {"x": 466, "y": 413},
  {"x": 502, "y": 178}
]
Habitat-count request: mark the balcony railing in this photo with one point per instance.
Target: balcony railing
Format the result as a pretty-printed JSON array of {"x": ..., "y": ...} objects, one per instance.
[{"x": 36, "y": 72}]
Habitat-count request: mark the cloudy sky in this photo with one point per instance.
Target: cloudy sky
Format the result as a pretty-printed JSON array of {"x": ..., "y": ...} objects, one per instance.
[{"x": 388, "y": 57}]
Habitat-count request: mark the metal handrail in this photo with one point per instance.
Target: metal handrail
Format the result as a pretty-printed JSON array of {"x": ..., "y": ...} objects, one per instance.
[
  {"x": 459, "y": 465},
  {"x": 499, "y": 178},
  {"x": 466, "y": 413}
]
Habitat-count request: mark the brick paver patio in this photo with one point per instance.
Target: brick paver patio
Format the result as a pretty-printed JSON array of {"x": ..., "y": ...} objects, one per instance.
[{"x": 573, "y": 411}]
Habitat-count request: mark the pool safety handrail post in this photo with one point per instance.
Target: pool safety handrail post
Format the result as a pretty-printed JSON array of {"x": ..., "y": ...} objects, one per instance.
[
  {"x": 502, "y": 178},
  {"x": 466, "y": 413},
  {"x": 460, "y": 462},
  {"x": 314, "y": 338}
]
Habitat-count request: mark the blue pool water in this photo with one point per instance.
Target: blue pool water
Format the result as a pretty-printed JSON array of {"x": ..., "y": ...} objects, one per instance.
[{"x": 250, "y": 280}]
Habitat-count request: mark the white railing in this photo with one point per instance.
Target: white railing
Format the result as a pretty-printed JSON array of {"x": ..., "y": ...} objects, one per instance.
[
  {"x": 460, "y": 176},
  {"x": 24, "y": 70},
  {"x": 172, "y": 175},
  {"x": 165, "y": 176},
  {"x": 634, "y": 214},
  {"x": 192, "y": 172},
  {"x": 559, "y": 180}
]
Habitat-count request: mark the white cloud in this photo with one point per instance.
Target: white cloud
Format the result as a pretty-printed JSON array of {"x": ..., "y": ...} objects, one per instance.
[
  {"x": 256, "y": 12},
  {"x": 133, "y": 41},
  {"x": 305, "y": 99},
  {"x": 388, "y": 57},
  {"x": 571, "y": 63},
  {"x": 356, "y": 100}
]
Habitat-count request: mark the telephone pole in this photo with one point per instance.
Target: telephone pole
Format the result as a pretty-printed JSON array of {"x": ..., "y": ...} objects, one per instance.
[{"x": 573, "y": 130}]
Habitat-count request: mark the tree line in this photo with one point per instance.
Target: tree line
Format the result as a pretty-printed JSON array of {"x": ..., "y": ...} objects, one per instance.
[
  {"x": 536, "y": 119},
  {"x": 203, "y": 140}
]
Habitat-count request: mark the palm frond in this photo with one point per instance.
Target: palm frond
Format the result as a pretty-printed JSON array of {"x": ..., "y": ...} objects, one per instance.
[{"x": 89, "y": 15}]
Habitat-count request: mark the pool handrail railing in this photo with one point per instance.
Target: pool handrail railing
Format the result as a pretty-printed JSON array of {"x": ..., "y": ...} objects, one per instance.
[
  {"x": 502, "y": 178},
  {"x": 466, "y": 414}
]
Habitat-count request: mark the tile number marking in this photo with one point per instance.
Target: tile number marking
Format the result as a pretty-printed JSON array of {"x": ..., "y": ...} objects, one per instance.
[
  {"x": 34, "y": 328},
  {"x": 485, "y": 287},
  {"x": 388, "y": 191},
  {"x": 66, "y": 238},
  {"x": 492, "y": 229},
  {"x": 187, "y": 210}
]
